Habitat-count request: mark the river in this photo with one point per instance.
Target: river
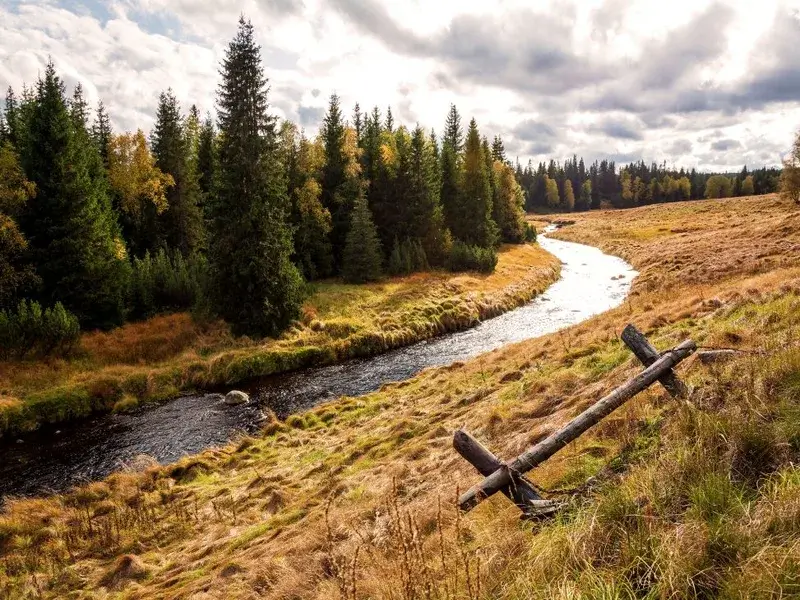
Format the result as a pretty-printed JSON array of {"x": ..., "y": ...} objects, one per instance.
[{"x": 54, "y": 459}]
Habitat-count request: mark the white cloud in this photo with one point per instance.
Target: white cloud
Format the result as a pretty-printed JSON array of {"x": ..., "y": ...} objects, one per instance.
[{"x": 613, "y": 77}]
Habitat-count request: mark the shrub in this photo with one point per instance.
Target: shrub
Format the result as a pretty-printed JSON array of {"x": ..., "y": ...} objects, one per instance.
[
  {"x": 166, "y": 282},
  {"x": 408, "y": 257},
  {"x": 530, "y": 233},
  {"x": 472, "y": 258},
  {"x": 31, "y": 331}
]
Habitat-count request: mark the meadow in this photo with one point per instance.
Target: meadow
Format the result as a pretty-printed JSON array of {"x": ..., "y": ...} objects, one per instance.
[
  {"x": 157, "y": 359},
  {"x": 355, "y": 499}
]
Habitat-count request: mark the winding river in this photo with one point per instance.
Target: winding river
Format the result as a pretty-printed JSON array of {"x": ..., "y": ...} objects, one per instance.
[{"x": 53, "y": 460}]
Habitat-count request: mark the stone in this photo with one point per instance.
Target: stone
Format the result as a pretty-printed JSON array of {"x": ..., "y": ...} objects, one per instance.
[{"x": 235, "y": 397}]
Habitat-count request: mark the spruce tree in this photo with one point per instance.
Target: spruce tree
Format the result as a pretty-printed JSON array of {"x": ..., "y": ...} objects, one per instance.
[
  {"x": 333, "y": 176},
  {"x": 254, "y": 285},
  {"x": 72, "y": 233},
  {"x": 101, "y": 131},
  {"x": 206, "y": 162},
  {"x": 426, "y": 220},
  {"x": 181, "y": 223},
  {"x": 12, "y": 117},
  {"x": 452, "y": 143},
  {"x": 473, "y": 222},
  {"x": 362, "y": 259}
]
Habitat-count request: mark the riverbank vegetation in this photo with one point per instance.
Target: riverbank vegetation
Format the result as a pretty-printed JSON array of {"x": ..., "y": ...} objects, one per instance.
[
  {"x": 157, "y": 358},
  {"x": 355, "y": 498}
]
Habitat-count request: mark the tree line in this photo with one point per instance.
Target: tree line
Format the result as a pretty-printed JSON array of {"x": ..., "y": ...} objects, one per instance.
[
  {"x": 231, "y": 217},
  {"x": 574, "y": 186}
]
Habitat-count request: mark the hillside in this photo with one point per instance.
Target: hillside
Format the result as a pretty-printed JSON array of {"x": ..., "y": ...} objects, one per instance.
[{"x": 355, "y": 499}]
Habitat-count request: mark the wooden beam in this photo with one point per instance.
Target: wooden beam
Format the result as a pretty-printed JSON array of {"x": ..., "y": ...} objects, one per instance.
[
  {"x": 521, "y": 492},
  {"x": 591, "y": 416},
  {"x": 647, "y": 355}
]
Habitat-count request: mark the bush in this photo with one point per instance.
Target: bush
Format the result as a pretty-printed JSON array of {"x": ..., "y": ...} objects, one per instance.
[
  {"x": 31, "y": 331},
  {"x": 530, "y": 233},
  {"x": 166, "y": 283},
  {"x": 408, "y": 257},
  {"x": 472, "y": 258}
]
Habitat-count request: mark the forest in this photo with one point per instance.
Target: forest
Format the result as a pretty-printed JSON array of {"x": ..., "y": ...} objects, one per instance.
[{"x": 233, "y": 217}]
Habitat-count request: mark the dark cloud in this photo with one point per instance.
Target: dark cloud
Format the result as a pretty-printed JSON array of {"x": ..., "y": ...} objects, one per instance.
[
  {"x": 310, "y": 115},
  {"x": 538, "y": 148},
  {"x": 530, "y": 130},
  {"x": 622, "y": 129},
  {"x": 315, "y": 92},
  {"x": 725, "y": 145}
]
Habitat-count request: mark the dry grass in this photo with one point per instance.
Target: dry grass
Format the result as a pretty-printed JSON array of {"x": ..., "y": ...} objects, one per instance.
[
  {"x": 356, "y": 498},
  {"x": 155, "y": 359}
]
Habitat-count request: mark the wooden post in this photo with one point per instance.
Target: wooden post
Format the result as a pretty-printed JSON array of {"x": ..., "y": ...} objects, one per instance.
[
  {"x": 502, "y": 477},
  {"x": 647, "y": 355},
  {"x": 521, "y": 492}
]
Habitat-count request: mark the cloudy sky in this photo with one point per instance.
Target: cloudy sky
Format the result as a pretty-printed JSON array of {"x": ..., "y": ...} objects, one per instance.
[{"x": 696, "y": 83}]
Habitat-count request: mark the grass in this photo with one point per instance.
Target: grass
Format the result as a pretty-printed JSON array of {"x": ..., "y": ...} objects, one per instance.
[
  {"x": 694, "y": 499},
  {"x": 158, "y": 358}
]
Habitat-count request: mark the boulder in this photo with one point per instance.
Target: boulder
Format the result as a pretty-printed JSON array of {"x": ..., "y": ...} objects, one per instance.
[{"x": 235, "y": 397}]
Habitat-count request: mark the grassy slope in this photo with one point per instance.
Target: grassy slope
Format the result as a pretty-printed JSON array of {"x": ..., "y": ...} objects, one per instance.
[
  {"x": 158, "y": 358},
  {"x": 355, "y": 498}
]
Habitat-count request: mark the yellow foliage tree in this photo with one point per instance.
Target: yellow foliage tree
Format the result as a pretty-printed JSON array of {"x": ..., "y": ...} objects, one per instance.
[
  {"x": 569, "y": 196},
  {"x": 790, "y": 177},
  {"x": 133, "y": 175}
]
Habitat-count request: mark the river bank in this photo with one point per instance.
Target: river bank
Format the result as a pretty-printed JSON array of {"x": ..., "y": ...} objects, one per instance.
[
  {"x": 90, "y": 450},
  {"x": 164, "y": 356},
  {"x": 695, "y": 499}
]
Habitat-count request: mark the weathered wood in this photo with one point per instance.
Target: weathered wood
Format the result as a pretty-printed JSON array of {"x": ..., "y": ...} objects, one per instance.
[
  {"x": 647, "y": 355},
  {"x": 588, "y": 418},
  {"x": 520, "y": 491}
]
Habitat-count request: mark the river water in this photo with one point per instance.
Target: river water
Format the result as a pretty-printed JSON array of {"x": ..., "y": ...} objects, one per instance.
[{"x": 53, "y": 460}]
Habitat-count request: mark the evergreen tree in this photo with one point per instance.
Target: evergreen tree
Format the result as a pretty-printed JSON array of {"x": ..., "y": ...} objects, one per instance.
[
  {"x": 101, "y": 131},
  {"x": 181, "y": 223},
  {"x": 389, "y": 120},
  {"x": 362, "y": 252},
  {"x": 72, "y": 233},
  {"x": 424, "y": 211},
  {"x": 13, "y": 119},
  {"x": 498, "y": 149},
  {"x": 333, "y": 176},
  {"x": 452, "y": 143},
  {"x": 358, "y": 123},
  {"x": 206, "y": 163},
  {"x": 253, "y": 282},
  {"x": 473, "y": 223},
  {"x": 507, "y": 207}
]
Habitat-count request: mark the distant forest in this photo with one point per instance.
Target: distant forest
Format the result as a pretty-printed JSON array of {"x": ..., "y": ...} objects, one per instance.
[
  {"x": 230, "y": 217},
  {"x": 573, "y": 186}
]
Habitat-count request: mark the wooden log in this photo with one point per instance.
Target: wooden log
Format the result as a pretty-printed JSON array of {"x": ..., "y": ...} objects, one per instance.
[
  {"x": 520, "y": 491},
  {"x": 588, "y": 418},
  {"x": 647, "y": 355}
]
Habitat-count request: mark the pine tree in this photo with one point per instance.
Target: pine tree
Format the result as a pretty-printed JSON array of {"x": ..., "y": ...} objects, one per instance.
[
  {"x": 498, "y": 149},
  {"x": 101, "y": 131},
  {"x": 473, "y": 222},
  {"x": 13, "y": 118},
  {"x": 206, "y": 163},
  {"x": 333, "y": 175},
  {"x": 362, "y": 257},
  {"x": 182, "y": 222},
  {"x": 358, "y": 123},
  {"x": 73, "y": 237},
  {"x": 426, "y": 220},
  {"x": 389, "y": 120},
  {"x": 507, "y": 207},
  {"x": 253, "y": 283}
]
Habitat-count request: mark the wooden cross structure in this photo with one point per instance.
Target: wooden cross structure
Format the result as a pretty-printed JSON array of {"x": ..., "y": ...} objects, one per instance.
[{"x": 509, "y": 478}]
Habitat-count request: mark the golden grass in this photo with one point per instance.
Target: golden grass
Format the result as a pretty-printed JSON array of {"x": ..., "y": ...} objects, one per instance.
[
  {"x": 356, "y": 498},
  {"x": 157, "y": 358}
]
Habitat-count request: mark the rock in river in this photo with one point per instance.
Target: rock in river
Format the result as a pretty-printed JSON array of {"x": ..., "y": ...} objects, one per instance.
[{"x": 235, "y": 397}]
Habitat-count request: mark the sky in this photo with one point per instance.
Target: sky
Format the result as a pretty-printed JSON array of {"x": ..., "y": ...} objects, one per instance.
[{"x": 706, "y": 84}]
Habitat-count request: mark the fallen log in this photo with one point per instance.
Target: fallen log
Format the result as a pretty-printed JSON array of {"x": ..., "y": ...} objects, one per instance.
[
  {"x": 520, "y": 491},
  {"x": 504, "y": 476},
  {"x": 647, "y": 355}
]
